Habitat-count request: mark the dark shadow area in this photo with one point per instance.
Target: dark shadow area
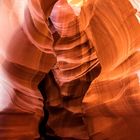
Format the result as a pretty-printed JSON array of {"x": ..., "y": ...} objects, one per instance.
[{"x": 43, "y": 128}]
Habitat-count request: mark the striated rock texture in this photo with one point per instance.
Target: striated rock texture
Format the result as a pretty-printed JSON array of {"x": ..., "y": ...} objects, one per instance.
[
  {"x": 111, "y": 104},
  {"x": 88, "y": 58}
]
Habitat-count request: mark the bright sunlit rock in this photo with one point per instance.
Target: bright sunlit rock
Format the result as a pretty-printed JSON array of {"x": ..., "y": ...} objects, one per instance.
[{"x": 77, "y": 3}]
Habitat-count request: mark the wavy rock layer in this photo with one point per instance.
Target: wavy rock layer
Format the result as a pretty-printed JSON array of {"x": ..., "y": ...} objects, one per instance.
[{"x": 89, "y": 59}]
